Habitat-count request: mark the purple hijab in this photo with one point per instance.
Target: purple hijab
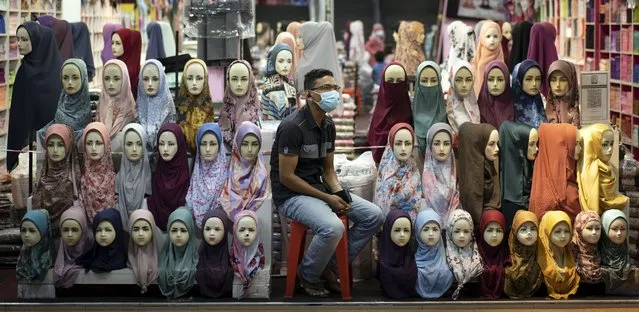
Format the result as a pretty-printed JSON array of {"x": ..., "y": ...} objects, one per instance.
[
  {"x": 63, "y": 34},
  {"x": 496, "y": 109},
  {"x": 542, "y": 49},
  {"x": 66, "y": 267},
  {"x": 155, "y": 48},
  {"x": 214, "y": 272},
  {"x": 397, "y": 269},
  {"x": 107, "y": 32}
]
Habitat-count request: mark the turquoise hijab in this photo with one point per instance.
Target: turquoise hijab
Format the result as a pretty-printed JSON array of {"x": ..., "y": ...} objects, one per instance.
[
  {"x": 434, "y": 277},
  {"x": 34, "y": 262},
  {"x": 429, "y": 106}
]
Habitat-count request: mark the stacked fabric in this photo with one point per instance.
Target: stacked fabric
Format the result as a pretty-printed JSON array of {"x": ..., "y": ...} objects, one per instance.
[
  {"x": 629, "y": 185},
  {"x": 344, "y": 126}
]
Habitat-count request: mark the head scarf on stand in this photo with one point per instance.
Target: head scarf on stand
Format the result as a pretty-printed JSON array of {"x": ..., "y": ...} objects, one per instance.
[
  {"x": 597, "y": 180},
  {"x": 319, "y": 52},
  {"x": 484, "y": 55},
  {"x": 208, "y": 177},
  {"x": 542, "y": 48},
  {"x": 194, "y": 110},
  {"x": 63, "y": 34},
  {"x": 178, "y": 265},
  {"x": 434, "y": 277},
  {"x": 398, "y": 185},
  {"x": 462, "y": 48},
  {"x": 168, "y": 38},
  {"x": 461, "y": 110},
  {"x": 294, "y": 29},
  {"x": 132, "y": 45},
  {"x": 155, "y": 46},
  {"x": 214, "y": 273},
  {"x": 144, "y": 260},
  {"x": 465, "y": 262},
  {"x": 554, "y": 180},
  {"x": 528, "y": 109},
  {"x": 393, "y": 106},
  {"x": 523, "y": 276},
  {"x": 238, "y": 109},
  {"x": 74, "y": 110},
  {"x": 247, "y": 262},
  {"x": 439, "y": 179},
  {"x": 491, "y": 283},
  {"x": 82, "y": 46},
  {"x": 117, "y": 111},
  {"x": 561, "y": 282},
  {"x": 616, "y": 265},
  {"x": 277, "y": 107},
  {"x": 133, "y": 180},
  {"x": 247, "y": 184},
  {"x": 477, "y": 176},
  {"x": 429, "y": 105},
  {"x": 586, "y": 254},
  {"x": 564, "y": 109},
  {"x": 154, "y": 111},
  {"x": 375, "y": 42},
  {"x": 410, "y": 51},
  {"x": 357, "y": 47},
  {"x": 496, "y": 109},
  {"x": 97, "y": 183},
  {"x": 34, "y": 262},
  {"x": 288, "y": 39},
  {"x": 107, "y": 33},
  {"x": 170, "y": 181},
  {"x": 67, "y": 264},
  {"x": 521, "y": 42},
  {"x": 114, "y": 256},
  {"x": 397, "y": 269}
]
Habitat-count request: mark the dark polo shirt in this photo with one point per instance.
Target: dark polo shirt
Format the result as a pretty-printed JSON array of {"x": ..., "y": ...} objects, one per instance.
[{"x": 299, "y": 134}]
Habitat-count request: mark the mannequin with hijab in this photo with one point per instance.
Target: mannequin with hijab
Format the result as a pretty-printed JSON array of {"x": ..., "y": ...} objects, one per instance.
[
  {"x": 506, "y": 40},
  {"x": 596, "y": 177},
  {"x": 439, "y": 179},
  {"x": 554, "y": 255},
  {"x": 398, "y": 185},
  {"x": 97, "y": 184},
  {"x": 247, "y": 252},
  {"x": 397, "y": 270},
  {"x": 194, "y": 105},
  {"x": 294, "y": 29},
  {"x": 584, "y": 247},
  {"x": 107, "y": 33},
  {"x": 528, "y": 102},
  {"x": 126, "y": 46},
  {"x": 214, "y": 273},
  {"x": 462, "y": 48},
  {"x": 155, "y": 103},
  {"x": 155, "y": 45},
  {"x": 461, "y": 250},
  {"x": 317, "y": 40},
  {"x": 520, "y": 43},
  {"x": 142, "y": 251},
  {"x": 478, "y": 175},
  {"x": 434, "y": 277},
  {"x": 36, "y": 253},
  {"x": 357, "y": 43},
  {"x": 82, "y": 46},
  {"x": 429, "y": 106},
  {"x": 523, "y": 275},
  {"x": 289, "y": 40},
  {"x": 495, "y": 99},
  {"x": 116, "y": 108},
  {"x": 375, "y": 42},
  {"x": 461, "y": 105},
  {"x": 63, "y": 34},
  {"x": 488, "y": 50},
  {"x": 493, "y": 249},
  {"x": 279, "y": 98},
  {"x": 563, "y": 99},
  {"x": 178, "y": 259},
  {"x": 409, "y": 51},
  {"x": 393, "y": 106},
  {"x": 109, "y": 251},
  {"x": 616, "y": 264},
  {"x": 76, "y": 241},
  {"x": 240, "y": 99},
  {"x": 554, "y": 182},
  {"x": 542, "y": 48}
]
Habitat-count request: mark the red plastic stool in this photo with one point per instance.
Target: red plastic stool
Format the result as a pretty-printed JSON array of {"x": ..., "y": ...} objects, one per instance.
[{"x": 296, "y": 253}]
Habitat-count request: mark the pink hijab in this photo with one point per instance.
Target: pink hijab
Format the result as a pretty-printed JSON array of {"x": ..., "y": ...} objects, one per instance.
[
  {"x": 238, "y": 109},
  {"x": 247, "y": 261},
  {"x": 66, "y": 267},
  {"x": 97, "y": 185},
  {"x": 485, "y": 55},
  {"x": 294, "y": 29},
  {"x": 143, "y": 260},
  {"x": 117, "y": 111}
]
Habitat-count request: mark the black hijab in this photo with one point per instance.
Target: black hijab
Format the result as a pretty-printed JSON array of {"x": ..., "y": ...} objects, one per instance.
[
  {"x": 521, "y": 40},
  {"x": 397, "y": 269},
  {"x": 112, "y": 257},
  {"x": 214, "y": 273},
  {"x": 82, "y": 46}
]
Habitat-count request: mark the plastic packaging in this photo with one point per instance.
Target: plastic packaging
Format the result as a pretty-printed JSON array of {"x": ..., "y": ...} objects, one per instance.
[
  {"x": 219, "y": 19},
  {"x": 357, "y": 176}
]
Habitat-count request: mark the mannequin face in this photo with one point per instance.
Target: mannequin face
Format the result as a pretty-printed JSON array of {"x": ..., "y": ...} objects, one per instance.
[
  {"x": 533, "y": 138},
  {"x": 507, "y": 31},
  {"x": 30, "y": 234},
  {"x": 55, "y": 148},
  {"x": 71, "y": 232},
  {"x": 420, "y": 38},
  {"x": 558, "y": 83},
  {"x": 496, "y": 82},
  {"x": 133, "y": 146},
  {"x": 117, "y": 48},
  {"x": 94, "y": 145},
  {"x": 492, "y": 147},
  {"x": 463, "y": 82},
  {"x": 591, "y": 232},
  {"x": 246, "y": 231},
  {"x": 403, "y": 144},
  {"x": 428, "y": 77},
  {"x": 105, "y": 234},
  {"x": 151, "y": 79},
  {"x": 250, "y": 147},
  {"x": 492, "y": 39},
  {"x": 195, "y": 76},
  {"x": 400, "y": 233},
  {"x": 618, "y": 231},
  {"x": 607, "y": 142},
  {"x": 71, "y": 79},
  {"x": 394, "y": 74},
  {"x": 141, "y": 233},
  {"x": 239, "y": 79},
  {"x": 532, "y": 81},
  {"x": 168, "y": 146},
  {"x": 560, "y": 235},
  {"x": 493, "y": 234},
  {"x": 284, "y": 62},
  {"x": 112, "y": 79},
  {"x": 209, "y": 147},
  {"x": 527, "y": 234},
  {"x": 578, "y": 145},
  {"x": 24, "y": 41},
  {"x": 430, "y": 234},
  {"x": 213, "y": 232},
  {"x": 441, "y": 146},
  {"x": 462, "y": 233},
  {"x": 179, "y": 234}
]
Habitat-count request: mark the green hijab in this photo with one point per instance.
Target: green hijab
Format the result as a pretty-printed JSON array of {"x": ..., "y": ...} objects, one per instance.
[
  {"x": 429, "y": 106},
  {"x": 514, "y": 167},
  {"x": 34, "y": 262}
]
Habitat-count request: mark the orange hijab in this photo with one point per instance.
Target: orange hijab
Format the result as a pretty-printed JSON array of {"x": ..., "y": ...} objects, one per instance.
[{"x": 485, "y": 55}]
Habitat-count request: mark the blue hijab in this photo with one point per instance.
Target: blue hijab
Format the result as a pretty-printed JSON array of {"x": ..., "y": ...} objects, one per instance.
[
  {"x": 434, "y": 277},
  {"x": 528, "y": 109},
  {"x": 155, "y": 49},
  {"x": 272, "y": 57},
  {"x": 34, "y": 262}
]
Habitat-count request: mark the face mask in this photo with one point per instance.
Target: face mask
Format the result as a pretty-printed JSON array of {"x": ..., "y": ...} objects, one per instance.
[{"x": 329, "y": 101}]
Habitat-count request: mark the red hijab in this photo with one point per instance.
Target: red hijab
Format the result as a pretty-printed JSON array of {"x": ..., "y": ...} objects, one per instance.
[
  {"x": 491, "y": 283},
  {"x": 132, "y": 43}
]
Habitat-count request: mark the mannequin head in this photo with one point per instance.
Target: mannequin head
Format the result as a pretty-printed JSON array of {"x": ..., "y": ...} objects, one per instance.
[
  {"x": 71, "y": 79},
  {"x": 24, "y": 41},
  {"x": 213, "y": 231},
  {"x": 428, "y": 77},
  {"x": 492, "y": 38},
  {"x": 492, "y": 147},
  {"x": 94, "y": 145},
  {"x": 527, "y": 233},
  {"x": 151, "y": 79},
  {"x": 507, "y": 30},
  {"x": 250, "y": 147},
  {"x": 463, "y": 82},
  {"x": 607, "y": 143},
  {"x": 493, "y": 234},
  {"x": 560, "y": 236},
  {"x": 117, "y": 48},
  {"x": 168, "y": 146},
  {"x": 299, "y": 42},
  {"x": 141, "y": 232},
  {"x": 578, "y": 146},
  {"x": 194, "y": 80},
  {"x": 284, "y": 62},
  {"x": 591, "y": 232},
  {"x": 70, "y": 232},
  {"x": 133, "y": 147},
  {"x": 179, "y": 234},
  {"x": 441, "y": 145},
  {"x": 558, "y": 83},
  {"x": 430, "y": 233},
  {"x": 112, "y": 79},
  {"x": 532, "y": 81},
  {"x": 29, "y": 233},
  {"x": 56, "y": 150},
  {"x": 105, "y": 233},
  {"x": 533, "y": 138},
  {"x": 246, "y": 232},
  {"x": 400, "y": 232},
  {"x": 462, "y": 233},
  {"x": 239, "y": 79},
  {"x": 496, "y": 82},
  {"x": 209, "y": 146},
  {"x": 618, "y": 231},
  {"x": 394, "y": 74},
  {"x": 403, "y": 144}
]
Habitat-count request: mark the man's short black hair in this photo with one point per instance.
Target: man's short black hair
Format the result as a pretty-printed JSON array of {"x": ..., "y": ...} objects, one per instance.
[
  {"x": 379, "y": 56},
  {"x": 313, "y": 75}
]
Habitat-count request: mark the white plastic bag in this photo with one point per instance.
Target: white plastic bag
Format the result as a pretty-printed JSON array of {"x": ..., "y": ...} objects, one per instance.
[{"x": 357, "y": 176}]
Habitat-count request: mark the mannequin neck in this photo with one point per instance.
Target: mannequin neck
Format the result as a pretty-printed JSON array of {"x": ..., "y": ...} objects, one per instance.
[{"x": 559, "y": 255}]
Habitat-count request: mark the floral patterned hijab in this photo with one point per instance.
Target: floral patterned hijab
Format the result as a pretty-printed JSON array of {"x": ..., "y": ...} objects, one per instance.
[
  {"x": 586, "y": 255},
  {"x": 98, "y": 178},
  {"x": 34, "y": 262},
  {"x": 523, "y": 276},
  {"x": 564, "y": 109},
  {"x": 238, "y": 109},
  {"x": 465, "y": 262},
  {"x": 247, "y": 261},
  {"x": 439, "y": 180},
  {"x": 461, "y": 110},
  {"x": 528, "y": 109},
  {"x": 194, "y": 110},
  {"x": 155, "y": 110}
]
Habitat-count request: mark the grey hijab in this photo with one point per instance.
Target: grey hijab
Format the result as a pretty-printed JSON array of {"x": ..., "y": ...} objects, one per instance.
[
  {"x": 75, "y": 110},
  {"x": 319, "y": 52}
]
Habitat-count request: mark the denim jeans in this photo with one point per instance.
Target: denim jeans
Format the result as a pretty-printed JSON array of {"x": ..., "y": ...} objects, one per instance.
[{"x": 366, "y": 217}]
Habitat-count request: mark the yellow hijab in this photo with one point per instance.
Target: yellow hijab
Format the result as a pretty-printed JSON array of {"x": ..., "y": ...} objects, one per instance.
[
  {"x": 561, "y": 282},
  {"x": 597, "y": 179},
  {"x": 523, "y": 276}
]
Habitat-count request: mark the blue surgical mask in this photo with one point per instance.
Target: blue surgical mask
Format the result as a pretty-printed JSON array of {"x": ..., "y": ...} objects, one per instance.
[{"x": 329, "y": 100}]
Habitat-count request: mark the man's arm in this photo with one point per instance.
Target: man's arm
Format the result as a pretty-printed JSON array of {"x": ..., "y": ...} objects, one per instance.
[
  {"x": 330, "y": 177},
  {"x": 288, "y": 178}
]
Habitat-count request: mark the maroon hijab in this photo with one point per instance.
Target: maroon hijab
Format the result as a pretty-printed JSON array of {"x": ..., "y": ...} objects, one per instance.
[
  {"x": 170, "y": 181},
  {"x": 132, "y": 43},
  {"x": 63, "y": 35},
  {"x": 393, "y": 106},
  {"x": 496, "y": 109},
  {"x": 542, "y": 49},
  {"x": 491, "y": 282}
]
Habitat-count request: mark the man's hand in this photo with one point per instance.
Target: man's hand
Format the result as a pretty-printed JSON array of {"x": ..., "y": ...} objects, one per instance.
[{"x": 338, "y": 205}]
